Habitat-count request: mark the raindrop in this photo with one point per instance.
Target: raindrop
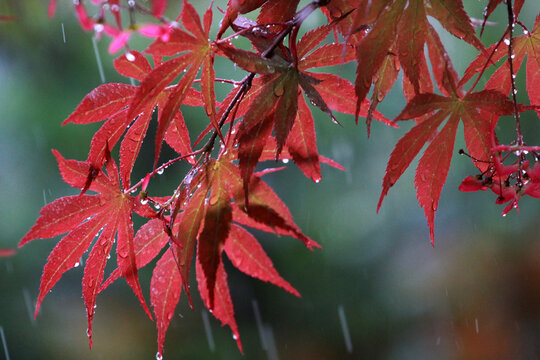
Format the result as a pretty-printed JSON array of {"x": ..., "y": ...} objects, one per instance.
[
  {"x": 77, "y": 264},
  {"x": 525, "y": 32},
  {"x": 29, "y": 306},
  {"x": 130, "y": 56},
  {"x": 512, "y": 56},
  {"x": 88, "y": 332},
  {"x": 98, "y": 60},
  {"x": 4, "y": 343},
  {"x": 285, "y": 161},
  {"x": 98, "y": 28},
  {"x": 235, "y": 337},
  {"x": 115, "y": 8},
  {"x": 208, "y": 330},
  {"x": 160, "y": 171},
  {"x": 345, "y": 328},
  {"x": 63, "y": 33},
  {"x": 515, "y": 91},
  {"x": 317, "y": 181},
  {"x": 157, "y": 206},
  {"x": 144, "y": 201},
  {"x": 507, "y": 41},
  {"x": 159, "y": 356}
]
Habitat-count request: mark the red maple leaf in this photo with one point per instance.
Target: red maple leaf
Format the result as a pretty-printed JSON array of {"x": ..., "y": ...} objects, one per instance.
[
  {"x": 83, "y": 217},
  {"x": 433, "y": 167}
]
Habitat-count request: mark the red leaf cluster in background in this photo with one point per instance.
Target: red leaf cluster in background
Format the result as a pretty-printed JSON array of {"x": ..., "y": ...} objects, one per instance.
[{"x": 266, "y": 117}]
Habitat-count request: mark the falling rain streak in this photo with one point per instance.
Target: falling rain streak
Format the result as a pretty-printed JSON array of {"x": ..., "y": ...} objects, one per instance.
[
  {"x": 98, "y": 60},
  {"x": 345, "y": 329},
  {"x": 4, "y": 344},
  {"x": 258, "y": 320},
  {"x": 266, "y": 334},
  {"x": 270, "y": 343},
  {"x": 63, "y": 33},
  {"x": 29, "y": 306},
  {"x": 208, "y": 331}
]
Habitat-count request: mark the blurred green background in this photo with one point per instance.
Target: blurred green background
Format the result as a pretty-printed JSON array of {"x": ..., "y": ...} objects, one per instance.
[{"x": 476, "y": 295}]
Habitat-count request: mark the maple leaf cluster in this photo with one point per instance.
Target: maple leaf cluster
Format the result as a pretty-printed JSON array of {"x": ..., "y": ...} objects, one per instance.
[{"x": 267, "y": 116}]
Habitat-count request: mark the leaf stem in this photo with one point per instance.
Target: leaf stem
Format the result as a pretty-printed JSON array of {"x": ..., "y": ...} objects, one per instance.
[{"x": 511, "y": 24}]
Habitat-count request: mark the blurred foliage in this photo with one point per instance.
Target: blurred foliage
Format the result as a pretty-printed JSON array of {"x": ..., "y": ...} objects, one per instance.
[{"x": 474, "y": 296}]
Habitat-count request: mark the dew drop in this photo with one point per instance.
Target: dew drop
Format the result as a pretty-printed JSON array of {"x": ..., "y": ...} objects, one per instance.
[
  {"x": 507, "y": 41},
  {"x": 77, "y": 264},
  {"x": 98, "y": 28},
  {"x": 157, "y": 206},
  {"x": 130, "y": 56},
  {"x": 235, "y": 337},
  {"x": 285, "y": 161},
  {"x": 278, "y": 90},
  {"x": 144, "y": 201},
  {"x": 525, "y": 32},
  {"x": 515, "y": 91},
  {"x": 159, "y": 356},
  {"x": 213, "y": 200},
  {"x": 317, "y": 181},
  {"x": 160, "y": 171}
]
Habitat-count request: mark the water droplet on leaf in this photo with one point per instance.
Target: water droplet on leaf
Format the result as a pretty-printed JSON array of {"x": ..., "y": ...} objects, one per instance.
[{"x": 130, "y": 56}]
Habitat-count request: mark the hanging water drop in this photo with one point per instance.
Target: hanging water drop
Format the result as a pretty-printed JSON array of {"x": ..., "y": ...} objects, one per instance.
[
  {"x": 525, "y": 32},
  {"x": 77, "y": 264},
  {"x": 130, "y": 57},
  {"x": 285, "y": 161},
  {"x": 160, "y": 171},
  {"x": 144, "y": 201},
  {"x": 507, "y": 41},
  {"x": 159, "y": 356},
  {"x": 98, "y": 28}
]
